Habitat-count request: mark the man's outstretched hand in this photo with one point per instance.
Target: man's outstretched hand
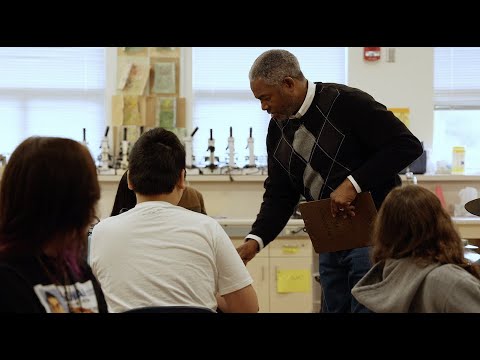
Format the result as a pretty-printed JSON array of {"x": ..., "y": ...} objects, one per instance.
[{"x": 248, "y": 250}]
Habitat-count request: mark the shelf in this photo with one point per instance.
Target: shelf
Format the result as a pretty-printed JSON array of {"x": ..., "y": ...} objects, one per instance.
[
  {"x": 444, "y": 177},
  {"x": 261, "y": 178},
  {"x": 226, "y": 178},
  {"x": 249, "y": 222},
  {"x": 109, "y": 178},
  {"x": 467, "y": 220}
]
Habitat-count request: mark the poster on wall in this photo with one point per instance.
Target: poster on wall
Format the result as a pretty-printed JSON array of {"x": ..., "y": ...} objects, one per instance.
[
  {"x": 132, "y": 74},
  {"x": 164, "y": 78}
]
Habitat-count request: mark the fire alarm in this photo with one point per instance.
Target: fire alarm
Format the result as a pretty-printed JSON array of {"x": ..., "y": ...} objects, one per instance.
[{"x": 371, "y": 53}]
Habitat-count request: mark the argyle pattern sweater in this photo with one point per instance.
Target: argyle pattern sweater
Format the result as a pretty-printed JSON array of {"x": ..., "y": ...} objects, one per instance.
[{"x": 344, "y": 132}]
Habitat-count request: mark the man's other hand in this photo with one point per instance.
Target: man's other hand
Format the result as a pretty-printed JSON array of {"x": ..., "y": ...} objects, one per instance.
[
  {"x": 342, "y": 198},
  {"x": 248, "y": 250}
]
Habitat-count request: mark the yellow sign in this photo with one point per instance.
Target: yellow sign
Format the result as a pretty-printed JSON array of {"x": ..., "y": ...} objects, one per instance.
[
  {"x": 289, "y": 281},
  {"x": 290, "y": 249},
  {"x": 403, "y": 114}
]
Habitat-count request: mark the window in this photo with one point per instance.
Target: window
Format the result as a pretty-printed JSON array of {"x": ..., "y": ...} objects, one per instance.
[
  {"x": 457, "y": 105},
  {"x": 222, "y": 97},
  {"x": 51, "y": 92}
]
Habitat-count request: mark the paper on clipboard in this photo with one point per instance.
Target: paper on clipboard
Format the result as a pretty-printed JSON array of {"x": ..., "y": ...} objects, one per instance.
[{"x": 329, "y": 234}]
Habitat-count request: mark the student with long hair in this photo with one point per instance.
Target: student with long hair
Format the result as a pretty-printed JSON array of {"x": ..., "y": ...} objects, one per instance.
[
  {"x": 419, "y": 259},
  {"x": 48, "y": 194}
]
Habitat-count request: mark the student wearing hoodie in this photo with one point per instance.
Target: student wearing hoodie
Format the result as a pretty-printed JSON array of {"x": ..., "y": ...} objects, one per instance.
[{"x": 419, "y": 259}]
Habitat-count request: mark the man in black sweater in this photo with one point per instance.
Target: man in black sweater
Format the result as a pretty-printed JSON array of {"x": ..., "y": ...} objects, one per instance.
[{"x": 324, "y": 140}]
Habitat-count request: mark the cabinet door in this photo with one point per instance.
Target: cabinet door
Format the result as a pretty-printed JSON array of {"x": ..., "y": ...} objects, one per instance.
[
  {"x": 294, "y": 297},
  {"x": 259, "y": 271}
]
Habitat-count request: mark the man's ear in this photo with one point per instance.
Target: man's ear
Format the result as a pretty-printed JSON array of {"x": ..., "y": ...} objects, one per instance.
[
  {"x": 182, "y": 182},
  {"x": 130, "y": 186},
  {"x": 289, "y": 82}
]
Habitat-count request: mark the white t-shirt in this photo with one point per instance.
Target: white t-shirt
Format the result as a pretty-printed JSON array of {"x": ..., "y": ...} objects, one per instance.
[{"x": 159, "y": 254}]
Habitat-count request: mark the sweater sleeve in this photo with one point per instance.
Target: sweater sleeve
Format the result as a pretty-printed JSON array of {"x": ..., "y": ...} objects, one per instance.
[
  {"x": 279, "y": 199},
  {"x": 392, "y": 145}
]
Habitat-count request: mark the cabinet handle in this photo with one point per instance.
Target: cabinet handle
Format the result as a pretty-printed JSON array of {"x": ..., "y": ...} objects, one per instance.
[{"x": 263, "y": 273}]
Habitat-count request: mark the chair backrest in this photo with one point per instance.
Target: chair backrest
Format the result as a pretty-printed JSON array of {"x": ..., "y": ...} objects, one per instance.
[{"x": 169, "y": 309}]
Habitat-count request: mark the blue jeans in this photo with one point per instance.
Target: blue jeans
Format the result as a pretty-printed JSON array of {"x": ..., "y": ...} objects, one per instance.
[{"x": 339, "y": 272}]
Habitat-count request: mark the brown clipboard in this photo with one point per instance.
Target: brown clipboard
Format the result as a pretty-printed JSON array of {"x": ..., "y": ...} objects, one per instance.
[{"x": 329, "y": 234}]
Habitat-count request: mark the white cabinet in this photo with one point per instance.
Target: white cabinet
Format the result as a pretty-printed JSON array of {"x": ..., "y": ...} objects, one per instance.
[
  {"x": 258, "y": 268},
  {"x": 282, "y": 275},
  {"x": 290, "y": 262}
]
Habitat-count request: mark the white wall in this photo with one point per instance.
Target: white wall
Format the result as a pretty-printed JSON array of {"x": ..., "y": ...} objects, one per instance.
[
  {"x": 110, "y": 82},
  {"x": 222, "y": 199},
  {"x": 407, "y": 82},
  {"x": 186, "y": 90}
]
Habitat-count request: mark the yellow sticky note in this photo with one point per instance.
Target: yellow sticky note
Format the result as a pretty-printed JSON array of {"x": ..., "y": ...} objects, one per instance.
[
  {"x": 293, "y": 281},
  {"x": 403, "y": 114},
  {"x": 290, "y": 249}
]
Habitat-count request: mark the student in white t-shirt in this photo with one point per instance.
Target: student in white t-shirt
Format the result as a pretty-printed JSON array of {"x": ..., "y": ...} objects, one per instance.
[{"x": 160, "y": 254}]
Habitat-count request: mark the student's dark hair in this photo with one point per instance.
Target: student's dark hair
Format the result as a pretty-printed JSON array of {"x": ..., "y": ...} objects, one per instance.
[
  {"x": 48, "y": 195},
  {"x": 156, "y": 161},
  {"x": 125, "y": 198},
  {"x": 412, "y": 223}
]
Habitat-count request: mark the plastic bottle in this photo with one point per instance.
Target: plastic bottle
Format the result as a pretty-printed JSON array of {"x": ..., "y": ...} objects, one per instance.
[{"x": 458, "y": 160}]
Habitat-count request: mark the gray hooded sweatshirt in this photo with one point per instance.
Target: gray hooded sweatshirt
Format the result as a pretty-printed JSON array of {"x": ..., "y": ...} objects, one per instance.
[{"x": 402, "y": 285}]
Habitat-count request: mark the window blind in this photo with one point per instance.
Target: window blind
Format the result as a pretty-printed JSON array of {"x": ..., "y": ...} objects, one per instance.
[
  {"x": 222, "y": 97},
  {"x": 457, "y": 78},
  {"x": 55, "y": 91}
]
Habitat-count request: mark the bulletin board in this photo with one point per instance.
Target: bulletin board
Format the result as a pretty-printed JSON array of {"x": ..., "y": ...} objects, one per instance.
[{"x": 147, "y": 92}]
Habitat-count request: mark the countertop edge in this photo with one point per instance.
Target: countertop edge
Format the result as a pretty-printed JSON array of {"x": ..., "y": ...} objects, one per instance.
[{"x": 261, "y": 178}]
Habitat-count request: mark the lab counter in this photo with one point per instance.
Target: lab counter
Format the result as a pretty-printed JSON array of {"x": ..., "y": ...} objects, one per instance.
[
  {"x": 237, "y": 227},
  {"x": 469, "y": 227}
]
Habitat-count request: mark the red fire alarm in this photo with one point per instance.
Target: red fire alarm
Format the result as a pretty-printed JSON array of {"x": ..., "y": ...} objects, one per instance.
[{"x": 371, "y": 53}]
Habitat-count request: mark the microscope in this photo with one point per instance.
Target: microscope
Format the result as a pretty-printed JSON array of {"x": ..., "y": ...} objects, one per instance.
[
  {"x": 104, "y": 159},
  {"x": 191, "y": 169},
  {"x": 211, "y": 159},
  {"x": 124, "y": 148},
  {"x": 231, "y": 166},
  {"x": 251, "y": 167},
  {"x": 84, "y": 142}
]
